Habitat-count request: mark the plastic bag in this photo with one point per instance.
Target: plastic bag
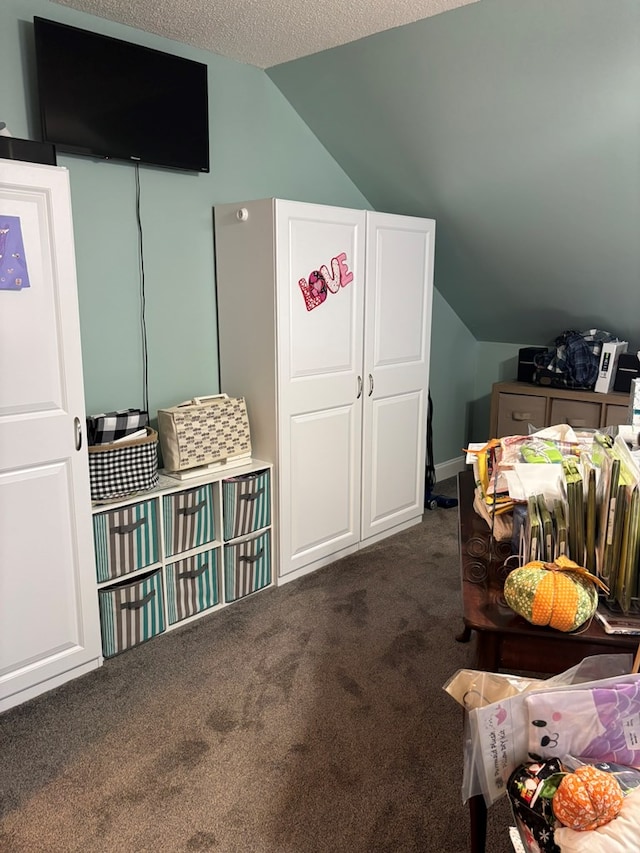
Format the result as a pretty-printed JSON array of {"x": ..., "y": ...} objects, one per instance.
[
  {"x": 474, "y": 688},
  {"x": 496, "y": 736}
]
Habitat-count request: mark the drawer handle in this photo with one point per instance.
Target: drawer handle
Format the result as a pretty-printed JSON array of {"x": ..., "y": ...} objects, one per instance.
[
  {"x": 252, "y": 497},
  {"x": 124, "y": 529},
  {"x": 190, "y": 574},
  {"x": 248, "y": 559},
  {"x": 521, "y": 416},
  {"x": 136, "y": 605},
  {"x": 192, "y": 510}
]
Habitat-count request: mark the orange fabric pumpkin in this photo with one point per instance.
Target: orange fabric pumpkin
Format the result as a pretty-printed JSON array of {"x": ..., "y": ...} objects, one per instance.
[
  {"x": 587, "y": 798},
  {"x": 561, "y": 594}
]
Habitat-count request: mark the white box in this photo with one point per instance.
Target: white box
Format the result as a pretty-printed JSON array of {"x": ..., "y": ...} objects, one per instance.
[
  {"x": 608, "y": 364},
  {"x": 634, "y": 404}
]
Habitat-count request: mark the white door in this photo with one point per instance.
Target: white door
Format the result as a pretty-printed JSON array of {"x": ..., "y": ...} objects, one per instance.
[
  {"x": 320, "y": 299},
  {"x": 400, "y": 254},
  {"x": 49, "y": 624}
]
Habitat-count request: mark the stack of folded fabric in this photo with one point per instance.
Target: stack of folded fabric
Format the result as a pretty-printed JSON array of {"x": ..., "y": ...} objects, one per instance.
[{"x": 108, "y": 427}]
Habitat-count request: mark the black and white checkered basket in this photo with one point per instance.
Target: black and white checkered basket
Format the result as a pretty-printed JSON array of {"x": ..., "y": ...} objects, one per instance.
[{"x": 123, "y": 468}]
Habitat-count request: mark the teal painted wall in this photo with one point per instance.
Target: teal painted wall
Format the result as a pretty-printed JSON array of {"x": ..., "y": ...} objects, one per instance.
[
  {"x": 497, "y": 362},
  {"x": 259, "y": 148},
  {"x": 452, "y": 381},
  {"x": 516, "y": 125}
]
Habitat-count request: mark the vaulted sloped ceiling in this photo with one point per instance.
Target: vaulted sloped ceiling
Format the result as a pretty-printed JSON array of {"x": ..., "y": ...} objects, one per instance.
[{"x": 516, "y": 125}]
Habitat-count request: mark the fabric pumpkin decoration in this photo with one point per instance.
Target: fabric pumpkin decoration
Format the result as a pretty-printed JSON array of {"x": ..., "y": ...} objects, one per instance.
[
  {"x": 587, "y": 798},
  {"x": 531, "y": 787},
  {"x": 561, "y": 594}
]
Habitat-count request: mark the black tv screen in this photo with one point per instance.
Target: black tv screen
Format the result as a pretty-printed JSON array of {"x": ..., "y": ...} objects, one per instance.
[{"x": 111, "y": 99}]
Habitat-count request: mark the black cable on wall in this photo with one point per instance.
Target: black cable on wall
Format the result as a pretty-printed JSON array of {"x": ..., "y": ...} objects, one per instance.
[{"x": 143, "y": 299}]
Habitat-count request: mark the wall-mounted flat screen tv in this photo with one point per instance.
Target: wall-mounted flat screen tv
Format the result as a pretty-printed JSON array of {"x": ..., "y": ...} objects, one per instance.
[{"x": 112, "y": 99}]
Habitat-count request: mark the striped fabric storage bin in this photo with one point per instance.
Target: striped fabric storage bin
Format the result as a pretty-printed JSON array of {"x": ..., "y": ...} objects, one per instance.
[
  {"x": 131, "y": 613},
  {"x": 247, "y": 566},
  {"x": 125, "y": 539},
  {"x": 188, "y": 519},
  {"x": 192, "y": 585},
  {"x": 246, "y": 504}
]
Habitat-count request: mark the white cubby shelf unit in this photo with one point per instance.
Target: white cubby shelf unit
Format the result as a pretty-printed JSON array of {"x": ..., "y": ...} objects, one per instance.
[{"x": 181, "y": 550}]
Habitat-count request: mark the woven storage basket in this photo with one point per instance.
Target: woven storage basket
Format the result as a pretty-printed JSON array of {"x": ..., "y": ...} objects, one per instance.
[{"x": 123, "y": 468}]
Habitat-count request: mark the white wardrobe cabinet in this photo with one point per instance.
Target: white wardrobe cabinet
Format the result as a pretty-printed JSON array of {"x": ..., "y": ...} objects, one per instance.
[
  {"x": 324, "y": 317},
  {"x": 49, "y": 625}
]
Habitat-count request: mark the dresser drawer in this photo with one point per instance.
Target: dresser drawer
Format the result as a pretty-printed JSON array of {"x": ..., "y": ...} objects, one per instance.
[
  {"x": 192, "y": 585},
  {"x": 131, "y": 613},
  {"x": 616, "y": 415},
  {"x": 517, "y": 411},
  {"x": 125, "y": 539},
  {"x": 578, "y": 414},
  {"x": 188, "y": 519}
]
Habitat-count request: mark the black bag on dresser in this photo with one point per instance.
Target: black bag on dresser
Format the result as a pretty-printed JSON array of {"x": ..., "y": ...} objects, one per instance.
[{"x": 573, "y": 362}]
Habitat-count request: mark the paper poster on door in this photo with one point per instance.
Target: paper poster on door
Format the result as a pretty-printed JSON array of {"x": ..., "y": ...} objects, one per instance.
[
  {"x": 321, "y": 282},
  {"x": 13, "y": 263}
]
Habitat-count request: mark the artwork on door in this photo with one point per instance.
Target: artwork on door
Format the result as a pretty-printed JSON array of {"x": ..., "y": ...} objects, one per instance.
[
  {"x": 322, "y": 281},
  {"x": 13, "y": 264}
]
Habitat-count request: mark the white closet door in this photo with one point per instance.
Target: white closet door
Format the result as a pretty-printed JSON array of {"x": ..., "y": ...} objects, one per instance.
[
  {"x": 400, "y": 253},
  {"x": 319, "y": 329},
  {"x": 49, "y": 625}
]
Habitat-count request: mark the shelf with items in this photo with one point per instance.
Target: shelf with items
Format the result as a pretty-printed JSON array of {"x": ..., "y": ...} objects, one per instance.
[{"x": 185, "y": 548}]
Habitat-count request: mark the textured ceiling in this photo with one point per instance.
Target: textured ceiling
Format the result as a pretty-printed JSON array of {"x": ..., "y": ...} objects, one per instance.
[{"x": 264, "y": 32}]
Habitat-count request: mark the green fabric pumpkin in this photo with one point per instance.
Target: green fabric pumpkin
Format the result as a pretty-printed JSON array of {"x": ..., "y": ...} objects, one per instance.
[{"x": 562, "y": 595}]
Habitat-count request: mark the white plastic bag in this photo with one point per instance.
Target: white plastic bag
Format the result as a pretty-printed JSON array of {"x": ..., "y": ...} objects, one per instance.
[{"x": 497, "y": 738}]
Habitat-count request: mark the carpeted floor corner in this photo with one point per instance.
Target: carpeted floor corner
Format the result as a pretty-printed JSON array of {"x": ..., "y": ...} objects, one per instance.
[{"x": 305, "y": 719}]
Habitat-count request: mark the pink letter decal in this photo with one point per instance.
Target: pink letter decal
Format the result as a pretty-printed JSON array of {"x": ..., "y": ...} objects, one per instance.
[{"x": 322, "y": 281}]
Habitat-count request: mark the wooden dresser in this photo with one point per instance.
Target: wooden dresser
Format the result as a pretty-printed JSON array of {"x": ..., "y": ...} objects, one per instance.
[{"x": 515, "y": 405}]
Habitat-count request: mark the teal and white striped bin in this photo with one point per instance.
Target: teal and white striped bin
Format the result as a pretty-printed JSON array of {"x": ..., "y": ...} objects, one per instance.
[
  {"x": 188, "y": 519},
  {"x": 125, "y": 539},
  {"x": 131, "y": 613},
  {"x": 247, "y": 566},
  {"x": 246, "y": 504},
  {"x": 192, "y": 585}
]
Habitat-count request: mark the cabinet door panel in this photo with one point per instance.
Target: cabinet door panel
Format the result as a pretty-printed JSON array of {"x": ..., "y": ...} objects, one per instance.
[
  {"x": 324, "y": 297},
  {"x": 397, "y": 475},
  {"x": 397, "y": 343},
  {"x": 41, "y": 615},
  {"x": 48, "y": 606},
  {"x": 323, "y": 486},
  {"x": 320, "y": 308}
]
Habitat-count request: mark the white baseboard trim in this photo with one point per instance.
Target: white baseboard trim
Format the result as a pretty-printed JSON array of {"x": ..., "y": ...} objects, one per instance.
[{"x": 450, "y": 468}]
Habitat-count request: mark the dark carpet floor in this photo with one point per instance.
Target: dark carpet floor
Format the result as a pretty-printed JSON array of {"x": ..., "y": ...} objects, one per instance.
[{"x": 304, "y": 719}]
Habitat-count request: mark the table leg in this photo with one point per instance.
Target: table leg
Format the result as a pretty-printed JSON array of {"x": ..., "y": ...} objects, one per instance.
[
  {"x": 478, "y": 824},
  {"x": 464, "y": 636},
  {"x": 487, "y": 657}
]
